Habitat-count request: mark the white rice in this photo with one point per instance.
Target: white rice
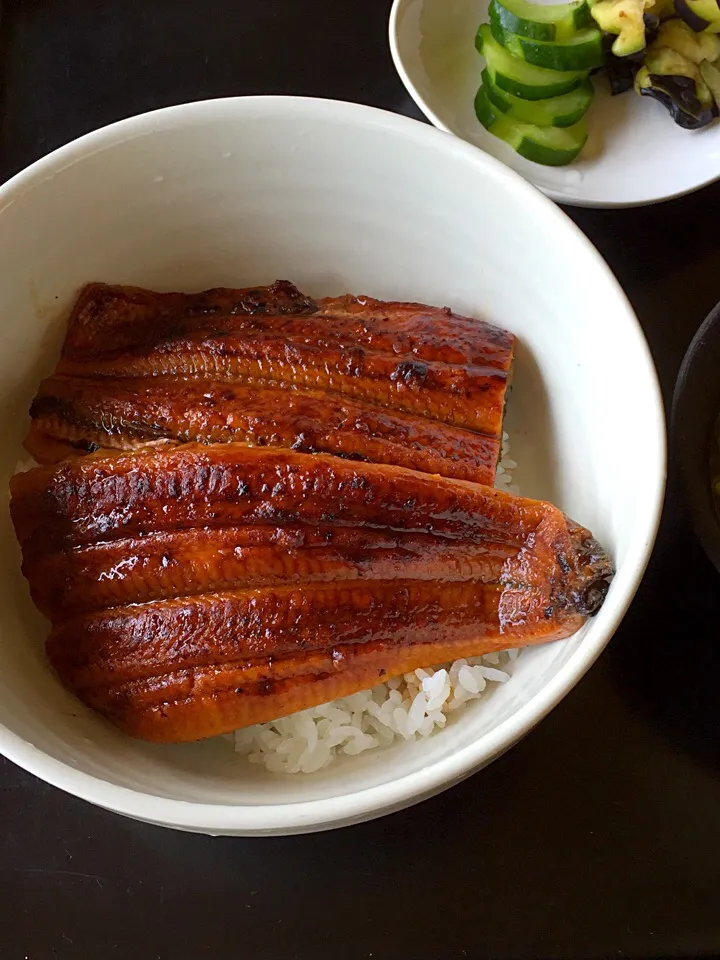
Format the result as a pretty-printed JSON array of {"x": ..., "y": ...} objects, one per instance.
[{"x": 404, "y": 708}]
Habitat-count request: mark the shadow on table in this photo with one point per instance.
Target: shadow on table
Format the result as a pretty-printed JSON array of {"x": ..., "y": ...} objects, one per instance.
[{"x": 668, "y": 662}]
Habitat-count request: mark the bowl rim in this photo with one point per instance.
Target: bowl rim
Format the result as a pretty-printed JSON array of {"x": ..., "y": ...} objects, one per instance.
[
  {"x": 558, "y": 195},
  {"x": 359, "y": 805},
  {"x": 695, "y": 412}
]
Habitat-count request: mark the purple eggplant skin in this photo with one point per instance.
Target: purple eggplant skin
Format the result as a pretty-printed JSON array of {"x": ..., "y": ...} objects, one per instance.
[
  {"x": 620, "y": 73},
  {"x": 652, "y": 26},
  {"x": 678, "y": 96},
  {"x": 696, "y": 23}
]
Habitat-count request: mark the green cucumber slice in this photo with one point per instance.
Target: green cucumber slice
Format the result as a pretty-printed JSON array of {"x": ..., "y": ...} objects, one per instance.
[
  {"x": 557, "y": 21},
  {"x": 520, "y": 78},
  {"x": 551, "y": 146},
  {"x": 561, "y": 111},
  {"x": 583, "y": 51}
]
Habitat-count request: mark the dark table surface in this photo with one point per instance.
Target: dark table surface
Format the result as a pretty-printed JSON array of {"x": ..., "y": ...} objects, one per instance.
[{"x": 599, "y": 835}]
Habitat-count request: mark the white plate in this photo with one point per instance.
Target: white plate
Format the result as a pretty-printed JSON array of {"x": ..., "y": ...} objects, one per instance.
[{"x": 635, "y": 154}]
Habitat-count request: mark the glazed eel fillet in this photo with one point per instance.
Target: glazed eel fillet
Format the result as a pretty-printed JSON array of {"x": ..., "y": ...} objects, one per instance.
[
  {"x": 194, "y": 589},
  {"x": 394, "y": 383}
]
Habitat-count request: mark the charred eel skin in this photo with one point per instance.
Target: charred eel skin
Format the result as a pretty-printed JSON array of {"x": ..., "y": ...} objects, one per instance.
[
  {"x": 194, "y": 589},
  {"x": 383, "y": 382}
]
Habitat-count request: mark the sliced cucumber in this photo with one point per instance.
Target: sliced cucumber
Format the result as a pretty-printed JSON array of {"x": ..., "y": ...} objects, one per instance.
[
  {"x": 520, "y": 78},
  {"x": 583, "y": 51},
  {"x": 551, "y": 146},
  {"x": 561, "y": 111},
  {"x": 557, "y": 21}
]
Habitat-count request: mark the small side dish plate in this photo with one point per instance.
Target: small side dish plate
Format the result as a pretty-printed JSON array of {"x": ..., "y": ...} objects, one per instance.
[{"x": 634, "y": 155}]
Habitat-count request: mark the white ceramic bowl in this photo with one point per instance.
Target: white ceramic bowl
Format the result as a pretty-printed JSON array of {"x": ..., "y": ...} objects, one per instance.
[
  {"x": 337, "y": 198},
  {"x": 635, "y": 153}
]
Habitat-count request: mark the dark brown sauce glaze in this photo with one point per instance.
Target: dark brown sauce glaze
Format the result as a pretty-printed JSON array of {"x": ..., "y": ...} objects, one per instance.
[
  {"x": 363, "y": 379},
  {"x": 125, "y": 413},
  {"x": 194, "y": 589},
  {"x": 252, "y": 502}
]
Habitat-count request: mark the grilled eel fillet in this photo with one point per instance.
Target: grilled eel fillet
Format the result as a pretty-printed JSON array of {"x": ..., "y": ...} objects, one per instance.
[
  {"x": 395, "y": 383},
  {"x": 194, "y": 589}
]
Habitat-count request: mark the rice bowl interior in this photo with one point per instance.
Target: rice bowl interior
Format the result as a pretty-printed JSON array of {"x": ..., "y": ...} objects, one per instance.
[{"x": 338, "y": 198}]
